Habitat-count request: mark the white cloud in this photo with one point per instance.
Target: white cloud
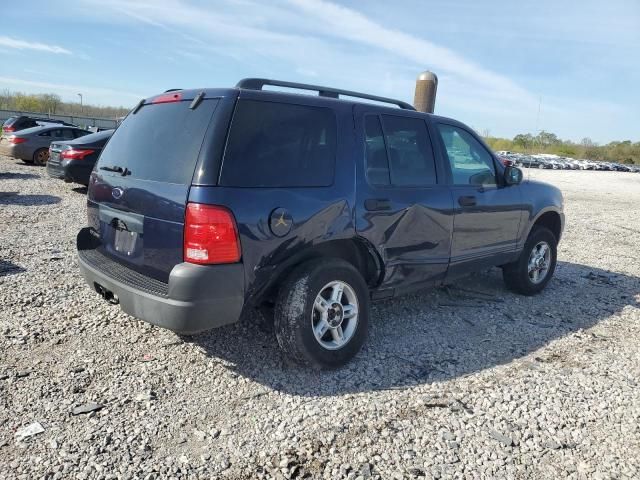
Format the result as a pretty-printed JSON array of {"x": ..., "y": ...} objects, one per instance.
[
  {"x": 18, "y": 44},
  {"x": 331, "y": 44}
]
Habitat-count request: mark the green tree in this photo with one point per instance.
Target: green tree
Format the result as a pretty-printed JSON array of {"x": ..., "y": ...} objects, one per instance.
[
  {"x": 50, "y": 102},
  {"x": 523, "y": 140}
]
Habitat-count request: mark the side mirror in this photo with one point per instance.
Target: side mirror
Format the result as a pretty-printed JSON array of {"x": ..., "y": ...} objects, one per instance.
[{"x": 512, "y": 176}]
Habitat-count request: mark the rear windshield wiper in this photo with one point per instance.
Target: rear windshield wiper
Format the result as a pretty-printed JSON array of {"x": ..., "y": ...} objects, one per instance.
[{"x": 122, "y": 171}]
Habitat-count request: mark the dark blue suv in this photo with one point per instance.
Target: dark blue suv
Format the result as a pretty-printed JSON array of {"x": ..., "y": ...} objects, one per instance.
[{"x": 207, "y": 203}]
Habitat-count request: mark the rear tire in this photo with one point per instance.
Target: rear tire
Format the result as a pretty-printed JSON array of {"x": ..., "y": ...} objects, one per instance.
[
  {"x": 534, "y": 268},
  {"x": 41, "y": 156},
  {"x": 322, "y": 313}
]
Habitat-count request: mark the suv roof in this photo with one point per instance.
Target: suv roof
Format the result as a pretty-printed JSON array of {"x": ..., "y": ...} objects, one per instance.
[{"x": 328, "y": 94}]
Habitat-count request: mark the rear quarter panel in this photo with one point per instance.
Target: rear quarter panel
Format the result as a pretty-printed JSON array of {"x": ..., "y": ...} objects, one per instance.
[{"x": 319, "y": 214}]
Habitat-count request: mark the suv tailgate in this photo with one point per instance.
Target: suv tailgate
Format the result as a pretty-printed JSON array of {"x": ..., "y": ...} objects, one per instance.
[{"x": 139, "y": 188}]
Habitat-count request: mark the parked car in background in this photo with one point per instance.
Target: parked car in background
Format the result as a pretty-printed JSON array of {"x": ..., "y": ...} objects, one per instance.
[
  {"x": 303, "y": 205},
  {"x": 22, "y": 122},
  {"x": 73, "y": 160},
  {"x": 555, "y": 162},
  {"x": 32, "y": 144}
]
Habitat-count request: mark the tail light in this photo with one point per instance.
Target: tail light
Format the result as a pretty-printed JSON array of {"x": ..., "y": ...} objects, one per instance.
[
  {"x": 73, "y": 154},
  {"x": 210, "y": 235},
  {"x": 17, "y": 140}
]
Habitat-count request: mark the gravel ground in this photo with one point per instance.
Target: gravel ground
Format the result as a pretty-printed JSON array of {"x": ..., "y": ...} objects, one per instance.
[{"x": 465, "y": 382}]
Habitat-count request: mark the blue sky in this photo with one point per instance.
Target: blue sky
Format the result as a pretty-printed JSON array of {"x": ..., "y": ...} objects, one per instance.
[{"x": 497, "y": 61}]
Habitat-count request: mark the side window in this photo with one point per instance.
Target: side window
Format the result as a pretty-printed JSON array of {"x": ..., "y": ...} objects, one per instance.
[
  {"x": 471, "y": 163},
  {"x": 67, "y": 134},
  {"x": 80, "y": 133},
  {"x": 375, "y": 151},
  {"x": 45, "y": 134},
  {"x": 280, "y": 145},
  {"x": 411, "y": 161}
]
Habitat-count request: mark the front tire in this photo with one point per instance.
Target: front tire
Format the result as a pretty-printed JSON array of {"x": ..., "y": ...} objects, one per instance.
[
  {"x": 322, "y": 313},
  {"x": 534, "y": 268}
]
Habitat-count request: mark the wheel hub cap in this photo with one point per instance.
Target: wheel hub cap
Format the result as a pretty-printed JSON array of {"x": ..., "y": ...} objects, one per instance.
[
  {"x": 539, "y": 262},
  {"x": 335, "y": 315}
]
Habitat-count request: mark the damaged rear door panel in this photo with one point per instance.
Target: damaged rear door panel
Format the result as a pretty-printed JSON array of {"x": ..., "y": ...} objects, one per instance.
[{"x": 404, "y": 207}]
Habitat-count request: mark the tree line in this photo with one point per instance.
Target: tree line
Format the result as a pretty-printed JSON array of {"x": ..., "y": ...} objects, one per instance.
[
  {"x": 52, "y": 104},
  {"x": 545, "y": 142}
]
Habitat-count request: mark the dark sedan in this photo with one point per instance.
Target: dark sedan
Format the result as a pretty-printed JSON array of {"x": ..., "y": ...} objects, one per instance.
[
  {"x": 32, "y": 144},
  {"x": 73, "y": 161}
]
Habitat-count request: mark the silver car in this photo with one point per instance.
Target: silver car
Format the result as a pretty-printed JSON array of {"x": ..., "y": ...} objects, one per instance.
[{"x": 32, "y": 144}]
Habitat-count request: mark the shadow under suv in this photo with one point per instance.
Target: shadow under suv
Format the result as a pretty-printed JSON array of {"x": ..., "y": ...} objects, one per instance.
[{"x": 207, "y": 203}]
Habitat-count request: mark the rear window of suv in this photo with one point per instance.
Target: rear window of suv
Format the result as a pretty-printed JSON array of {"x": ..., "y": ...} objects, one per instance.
[
  {"x": 160, "y": 142},
  {"x": 280, "y": 145}
]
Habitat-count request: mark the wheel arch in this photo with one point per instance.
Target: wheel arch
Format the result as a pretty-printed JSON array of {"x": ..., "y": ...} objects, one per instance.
[
  {"x": 550, "y": 219},
  {"x": 356, "y": 251}
]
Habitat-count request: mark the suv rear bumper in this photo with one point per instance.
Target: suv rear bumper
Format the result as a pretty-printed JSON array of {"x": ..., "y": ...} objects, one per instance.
[{"x": 198, "y": 297}]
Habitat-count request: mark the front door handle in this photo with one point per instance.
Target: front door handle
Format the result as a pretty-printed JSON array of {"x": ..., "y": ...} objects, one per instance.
[
  {"x": 377, "y": 204},
  {"x": 467, "y": 201}
]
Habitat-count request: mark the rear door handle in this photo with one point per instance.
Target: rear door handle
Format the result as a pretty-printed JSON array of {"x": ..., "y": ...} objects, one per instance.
[
  {"x": 377, "y": 204},
  {"x": 467, "y": 201}
]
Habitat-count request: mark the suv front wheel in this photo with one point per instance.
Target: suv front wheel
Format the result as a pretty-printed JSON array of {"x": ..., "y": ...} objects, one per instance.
[
  {"x": 322, "y": 313},
  {"x": 532, "y": 271}
]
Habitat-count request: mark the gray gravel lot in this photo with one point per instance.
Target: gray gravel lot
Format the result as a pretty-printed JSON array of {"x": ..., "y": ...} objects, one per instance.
[{"x": 466, "y": 382}]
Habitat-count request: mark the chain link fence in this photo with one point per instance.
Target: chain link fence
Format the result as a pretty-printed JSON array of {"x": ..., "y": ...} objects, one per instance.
[{"x": 81, "y": 121}]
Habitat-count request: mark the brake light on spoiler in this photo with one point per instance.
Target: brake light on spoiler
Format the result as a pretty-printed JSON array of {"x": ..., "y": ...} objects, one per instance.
[{"x": 167, "y": 98}]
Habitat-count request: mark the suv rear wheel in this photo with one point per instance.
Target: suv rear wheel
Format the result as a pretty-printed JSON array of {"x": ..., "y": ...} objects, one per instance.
[
  {"x": 532, "y": 271},
  {"x": 322, "y": 313}
]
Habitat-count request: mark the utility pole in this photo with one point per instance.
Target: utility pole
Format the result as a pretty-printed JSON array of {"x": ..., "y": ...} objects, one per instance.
[{"x": 80, "y": 95}]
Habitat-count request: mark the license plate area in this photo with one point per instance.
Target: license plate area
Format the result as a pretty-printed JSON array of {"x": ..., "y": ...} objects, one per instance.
[
  {"x": 122, "y": 233},
  {"x": 125, "y": 242}
]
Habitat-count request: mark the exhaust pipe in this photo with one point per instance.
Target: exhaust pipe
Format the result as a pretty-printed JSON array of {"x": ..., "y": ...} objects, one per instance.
[{"x": 425, "y": 96}]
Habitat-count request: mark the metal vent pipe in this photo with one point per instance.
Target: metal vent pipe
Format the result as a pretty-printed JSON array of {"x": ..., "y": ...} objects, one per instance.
[{"x": 425, "y": 97}]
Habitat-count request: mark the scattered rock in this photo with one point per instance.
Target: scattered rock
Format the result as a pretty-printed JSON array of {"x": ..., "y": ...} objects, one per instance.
[
  {"x": 504, "y": 439},
  {"x": 87, "y": 408},
  {"x": 30, "y": 430}
]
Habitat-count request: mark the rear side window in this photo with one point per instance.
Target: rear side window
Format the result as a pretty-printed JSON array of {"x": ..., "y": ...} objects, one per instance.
[
  {"x": 160, "y": 142},
  {"x": 376, "y": 152},
  {"x": 80, "y": 133},
  {"x": 280, "y": 145},
  {"x": 399, "y": 152},
  {"x": 63, "y": 133}
]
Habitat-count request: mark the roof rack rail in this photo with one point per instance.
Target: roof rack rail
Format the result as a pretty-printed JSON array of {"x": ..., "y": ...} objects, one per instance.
[{"x": 258, "y": 83}]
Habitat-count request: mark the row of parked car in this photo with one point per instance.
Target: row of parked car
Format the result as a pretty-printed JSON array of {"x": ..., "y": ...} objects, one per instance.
[
  {"x": 68, "y": 151},
  {"x": 555, "y": 162}
]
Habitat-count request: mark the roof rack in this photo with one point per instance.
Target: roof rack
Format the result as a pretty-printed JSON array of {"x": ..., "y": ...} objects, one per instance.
[{"x": 258, "y": 83}]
